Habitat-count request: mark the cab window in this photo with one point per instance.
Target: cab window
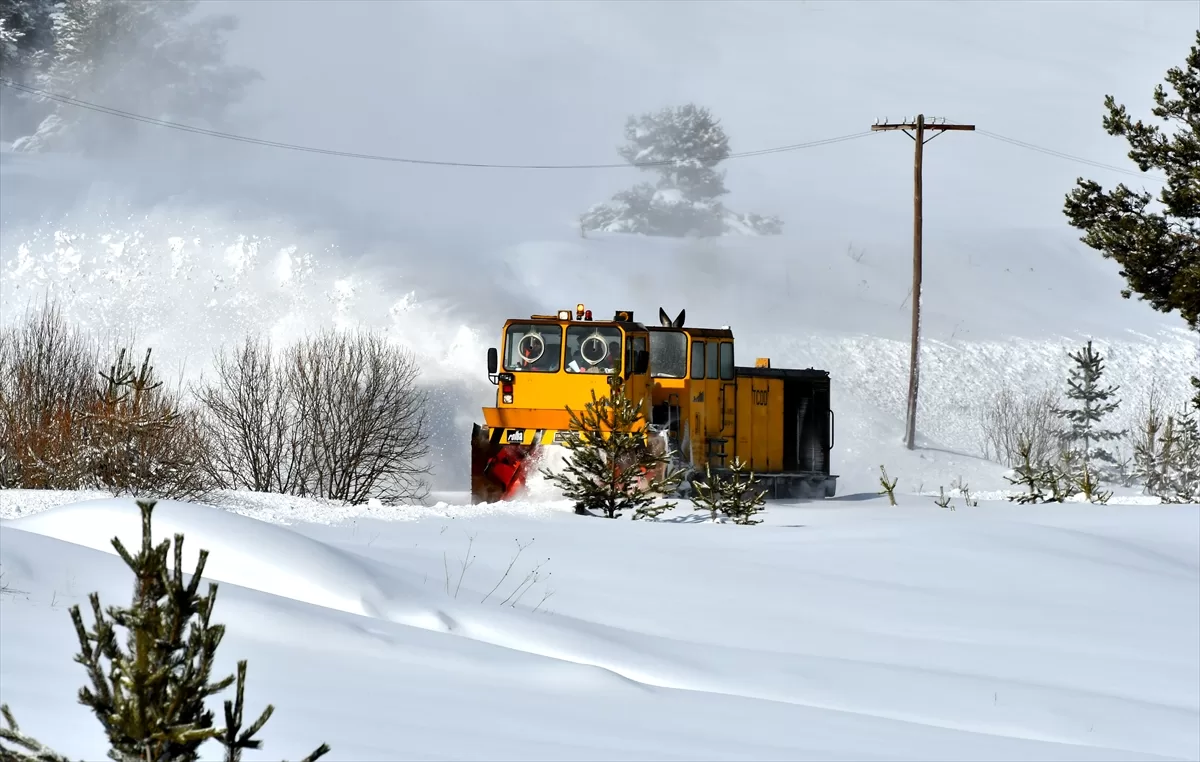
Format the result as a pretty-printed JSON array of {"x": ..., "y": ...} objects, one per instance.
[
  {"x": 533, "y": 348},
  {"x": 634, "y": 344},
  {"x": 697, "y": 359},
  {"x": 727, "y": 361},
  {"x": 712, "y": 366},
  {"x": 668, "y": 354},
  {"x": 593, "y": 349}
]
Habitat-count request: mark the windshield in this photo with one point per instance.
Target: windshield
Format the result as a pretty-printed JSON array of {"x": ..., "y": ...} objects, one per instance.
[
  {"x": 532, "y": 347},
  {"x": 668, "y": 354},
  {"x": 593, "y": 349}
]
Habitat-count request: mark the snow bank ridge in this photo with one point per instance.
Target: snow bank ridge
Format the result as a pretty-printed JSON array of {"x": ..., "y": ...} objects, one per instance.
[{"x": 245, "y": 552}]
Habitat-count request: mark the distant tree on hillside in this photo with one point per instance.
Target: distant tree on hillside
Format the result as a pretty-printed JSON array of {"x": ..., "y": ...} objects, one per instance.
[
  {"x": 156, "y": 58},
  {"x": 1158, "y": 248},
  {"x": 683, "y": 145},
  {"x": 24, "y": 36}
]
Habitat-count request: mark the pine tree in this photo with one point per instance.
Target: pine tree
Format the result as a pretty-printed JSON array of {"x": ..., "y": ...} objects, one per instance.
[
  {"x": 733, "y": 496},
  {"x": 24, "y": 39},
  {"x": 10, "y": 41},
  {"x": 1086, "y": 484},
  {"x": 150, "y": 696},
  {"x": 1155, "y": 244},
  {"x": 138, "y": 439},
  {"x": 683, "y": 145},
  {"x": 1084, "y": 433},
  {"x": 610, "y": 467},
  {"x": 151, "y": 58},
  {"x": 1179, "y": 476},
  {"x": 1147, "y": 450},
  {"x": 1028, "y": 474}
]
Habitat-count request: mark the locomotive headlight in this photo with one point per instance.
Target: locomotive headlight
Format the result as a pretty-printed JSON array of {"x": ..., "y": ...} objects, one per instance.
[{"x": 564, "y": 314}]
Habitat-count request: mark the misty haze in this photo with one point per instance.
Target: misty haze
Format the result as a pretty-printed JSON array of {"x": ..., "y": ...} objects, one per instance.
[{"x": 344, "y": 286}]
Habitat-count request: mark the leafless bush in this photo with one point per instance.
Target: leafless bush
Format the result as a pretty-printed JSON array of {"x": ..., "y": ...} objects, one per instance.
[
  {"x": 67, "y": 424},
  {"x": 361, "y": 416},
  {"x": 251, "y": 421},
  {"x": 47, "y": 377},
  {"x": 1014, "y": 417}
]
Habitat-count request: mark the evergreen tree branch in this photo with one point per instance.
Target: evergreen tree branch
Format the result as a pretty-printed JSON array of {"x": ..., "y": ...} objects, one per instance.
[{"x": 30, "y": 749}]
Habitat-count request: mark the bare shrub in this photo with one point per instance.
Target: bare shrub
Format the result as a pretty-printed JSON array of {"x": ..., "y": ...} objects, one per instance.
[
  {"x": 66, "y": 424},
  {"x": 252, "y": 422},
  {"x": 47, "y": 377},
  {"x": 362, "y": 418},
  {"x": 1013, "y": 419}
]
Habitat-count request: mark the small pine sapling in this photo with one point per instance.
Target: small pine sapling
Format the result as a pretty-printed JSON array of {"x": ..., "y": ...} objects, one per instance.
[
  {"x": 150, "y": 696},
  {"x": 1084, "y": 430},
  {"x": 610, "y": 468},
  {"x": 733, "y": 496},
  {"x": 1028, "y": 474},
  {"x": 1087, "y": 485},
  {"x": 1064, "y": 476},
  {"x": 1125, "y": 473},
  {"x": 1148, "y": 448},
  {"x": 889, "y": 486},
  {"x": 1180, "y": 474}
]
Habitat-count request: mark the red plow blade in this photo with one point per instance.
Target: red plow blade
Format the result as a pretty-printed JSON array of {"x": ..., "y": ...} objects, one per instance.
[{"x": 498, "y": 469}]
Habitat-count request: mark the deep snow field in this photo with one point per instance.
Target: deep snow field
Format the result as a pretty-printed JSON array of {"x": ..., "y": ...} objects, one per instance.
[
  {"x": 846, "y": 629},
  {"x": 841, "y": 629}
]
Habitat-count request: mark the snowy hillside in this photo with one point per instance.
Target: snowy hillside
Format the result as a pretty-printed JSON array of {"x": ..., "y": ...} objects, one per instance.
[
  {"x": 855, "y": 632},
  {"x": 1001, "y": 311}
]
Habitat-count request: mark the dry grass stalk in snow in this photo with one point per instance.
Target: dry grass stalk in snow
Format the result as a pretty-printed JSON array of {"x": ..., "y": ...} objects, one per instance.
[{"x": 889, "y": 486}]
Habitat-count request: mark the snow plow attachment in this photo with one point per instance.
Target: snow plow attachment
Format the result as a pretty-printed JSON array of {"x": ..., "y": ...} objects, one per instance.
[{"x": 501, "y": 461}]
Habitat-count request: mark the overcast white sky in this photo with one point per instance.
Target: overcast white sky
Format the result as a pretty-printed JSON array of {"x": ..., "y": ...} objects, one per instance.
[{"x": 554, "y": 81}]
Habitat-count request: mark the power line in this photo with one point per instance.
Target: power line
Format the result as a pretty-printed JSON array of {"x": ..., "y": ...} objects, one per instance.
[
  {"x": 395, "y": 159},
  {"x": 479, "y": 165},
  {"x": 1069, "y": 157}
]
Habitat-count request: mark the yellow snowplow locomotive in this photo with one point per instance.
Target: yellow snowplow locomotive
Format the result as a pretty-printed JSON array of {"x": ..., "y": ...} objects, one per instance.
[{"x": 696, "y": 401}]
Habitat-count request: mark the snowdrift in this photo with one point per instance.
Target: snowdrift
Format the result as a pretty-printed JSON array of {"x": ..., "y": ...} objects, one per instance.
[{"x": 864, "y": 632}]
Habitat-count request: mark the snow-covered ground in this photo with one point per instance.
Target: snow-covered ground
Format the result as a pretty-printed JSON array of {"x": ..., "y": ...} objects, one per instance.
[
  {"x": 842, "y": 630},
  {"x": 845, "y": 629}
]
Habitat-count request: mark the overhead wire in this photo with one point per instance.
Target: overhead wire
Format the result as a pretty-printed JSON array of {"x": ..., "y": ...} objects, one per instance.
[
  {"x": 395, "y": 159},
  {"x": 1063, "y": 155},
  {"x": 79, "y": 103}
]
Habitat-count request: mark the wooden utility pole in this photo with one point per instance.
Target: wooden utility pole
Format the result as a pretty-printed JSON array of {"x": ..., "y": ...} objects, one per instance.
[{"x": 916, "y": 130}]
